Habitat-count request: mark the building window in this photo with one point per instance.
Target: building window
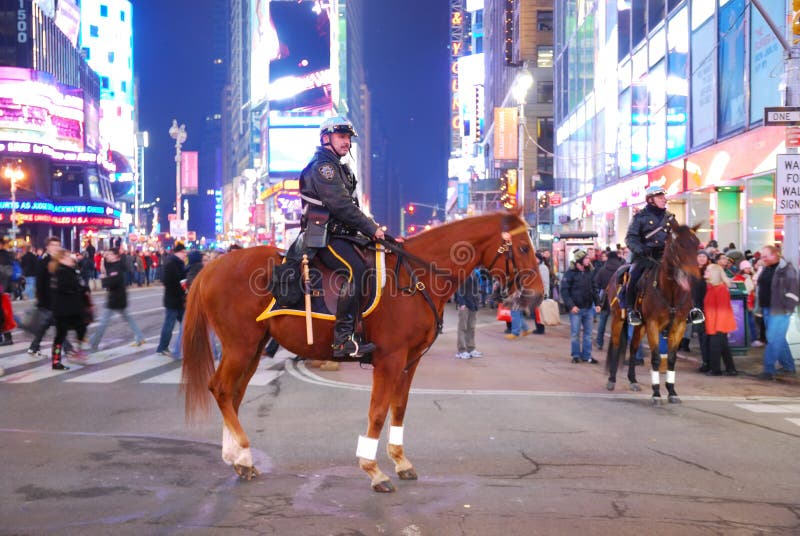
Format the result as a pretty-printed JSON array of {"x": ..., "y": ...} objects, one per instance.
[
  {"x": 103, "y": 10},
  {"x": 124, "y": 86},
  {"x": 544, "y": 92},
  {"x": 122, "y": 16},
  {"x": 87, "y": 53},
  {"x": 544, "y": 21},
  {"x": 94, "y": 31},
  {"x": 111, "y": 57},
  {"x": 68, "y": 181},
  {"x": 104, "y": 82},
  {"x": 544, "y": 56}
]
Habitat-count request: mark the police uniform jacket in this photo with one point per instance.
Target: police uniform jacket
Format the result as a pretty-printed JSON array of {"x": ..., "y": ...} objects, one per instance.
[
  {"x": 328, "y": 184},
  {"x": 645, "y": 222}
]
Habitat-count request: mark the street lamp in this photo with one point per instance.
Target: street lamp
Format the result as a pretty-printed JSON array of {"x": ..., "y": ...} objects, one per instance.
[
  {"x": 179, "y": 135},
  {"x": 13, "y": 174}
]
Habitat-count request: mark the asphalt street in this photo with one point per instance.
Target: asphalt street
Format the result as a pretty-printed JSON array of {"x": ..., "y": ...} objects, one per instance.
[{"x": 518, "y": 442}]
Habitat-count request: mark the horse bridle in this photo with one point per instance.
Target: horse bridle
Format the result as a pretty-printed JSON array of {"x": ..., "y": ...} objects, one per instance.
[{"x": 506, "y": 250}]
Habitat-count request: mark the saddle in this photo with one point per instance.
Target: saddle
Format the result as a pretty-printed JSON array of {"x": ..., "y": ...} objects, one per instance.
[{"x": 287, "y": 288}]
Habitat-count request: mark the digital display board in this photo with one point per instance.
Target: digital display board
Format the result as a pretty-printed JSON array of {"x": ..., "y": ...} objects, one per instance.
[
  {"x": 300, "y": 73},
  {"x": 291, "y": 148},
  {"x": 36, "y": 109}
]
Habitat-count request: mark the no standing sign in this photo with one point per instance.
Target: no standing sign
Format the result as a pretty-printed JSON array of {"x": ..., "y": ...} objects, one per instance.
[{"x": 787, "y": 184}]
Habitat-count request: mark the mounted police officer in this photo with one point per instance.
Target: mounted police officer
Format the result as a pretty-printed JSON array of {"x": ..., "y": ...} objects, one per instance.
[
  {"x": 646, "y": 238},
  {"x": 334, "y": 228}
]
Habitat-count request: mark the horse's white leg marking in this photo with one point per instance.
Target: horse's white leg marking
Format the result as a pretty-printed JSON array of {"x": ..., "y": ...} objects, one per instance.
[
  {"x": 230, "y": 449},
  {"x": 367, "y": 448},
  {"x": 396, "y": 435},
  {"x": 245, "y": 458},
  {"x": 654, "y": 377},
  {"x": 670, "y": 376}
]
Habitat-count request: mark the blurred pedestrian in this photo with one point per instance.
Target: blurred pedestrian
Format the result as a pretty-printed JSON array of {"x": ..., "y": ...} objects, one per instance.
[
  {"x": 113, "y": 280},
  {"x": 467, "y": 299},
  {"x": 43, "y": 315},
  {"x": 777, "y": 296},
  {"x": 29, "y": 263},
  {"x": 174, "y": 272},
  {"x": 69, "y": 299}
]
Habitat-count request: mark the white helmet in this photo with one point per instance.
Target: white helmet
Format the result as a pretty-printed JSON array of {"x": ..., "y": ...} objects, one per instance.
[{"x": 337, "y": 123}]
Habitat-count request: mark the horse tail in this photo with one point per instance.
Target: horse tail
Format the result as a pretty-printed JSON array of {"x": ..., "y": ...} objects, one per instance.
[{"x": 198, "y": 362}]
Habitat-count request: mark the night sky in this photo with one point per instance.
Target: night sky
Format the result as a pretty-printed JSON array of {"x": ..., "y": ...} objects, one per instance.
[{"x": 407, "y": 70}]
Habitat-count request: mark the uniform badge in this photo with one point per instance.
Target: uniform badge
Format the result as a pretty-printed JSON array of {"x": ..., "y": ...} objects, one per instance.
[{"x": 327, "y": 172}]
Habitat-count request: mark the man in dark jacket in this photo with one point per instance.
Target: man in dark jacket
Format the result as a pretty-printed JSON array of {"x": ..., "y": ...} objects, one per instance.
[
  {"x": 334, "y": 226},
  {"x": 602, "y": 276},
  {"x": 778, "y": 295},
  {"x": 113, "y": 280},
  {"x": 579, "y": 298},
  {"x": 467, "y": 298},
  {"x": 174, "y": 296}
]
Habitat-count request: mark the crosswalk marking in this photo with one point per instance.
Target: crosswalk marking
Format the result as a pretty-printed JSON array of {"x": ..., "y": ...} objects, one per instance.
[
  {"x": 171, "y": 376},
  {"x": 771, "y": 408},
  {"x": 125, "y": 370},
  {"x": 38, "y": 373},
  {"x": 794, "y": 421}
]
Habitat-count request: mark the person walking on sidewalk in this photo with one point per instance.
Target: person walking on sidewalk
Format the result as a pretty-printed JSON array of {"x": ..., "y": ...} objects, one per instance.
[
  {"x": 580, "y": 300},
  {"x": 174, "y": 296},
  {"x": 468, "y": 297},
  {"x": 777, "y": 296},
  {"x": 113, "y": 280}
]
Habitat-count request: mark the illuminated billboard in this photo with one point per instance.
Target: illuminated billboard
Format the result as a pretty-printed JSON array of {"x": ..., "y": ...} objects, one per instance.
[
  {"x": 300, "y": 73},
  {"x": 290, "y": 148},
  {"x": 36, "y": 109},
  {"x": 189, "y": 173},
  {"x": 68, "y": 19},
  {"x": 262, "y": 48}
]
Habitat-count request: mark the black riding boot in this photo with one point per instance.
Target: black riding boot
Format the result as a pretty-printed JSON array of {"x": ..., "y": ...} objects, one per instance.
[
  {"x": 634, "y": 317},
  {"x": 344, "y": 343}
]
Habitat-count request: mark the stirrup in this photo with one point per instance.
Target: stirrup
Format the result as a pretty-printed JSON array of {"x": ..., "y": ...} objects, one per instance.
[
  {"x": 351, "y": 348},
  {"x": 696, "y": 316},
  {"x": 634, "y": 318}
]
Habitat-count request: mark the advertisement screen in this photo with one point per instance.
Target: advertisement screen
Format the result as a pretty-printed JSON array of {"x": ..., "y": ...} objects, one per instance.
[
  {"x": 300, "y": 61},
  {"x": 68, "y": 19},
  {"x": 262, "y": 48},
  {"x": 731, "y": 67},
  {"x": 703, "y": 84},
  {"x": 36, "y": 109},
  {"x": 766, "y": 59},
  {"x": 290, "y": 148}
]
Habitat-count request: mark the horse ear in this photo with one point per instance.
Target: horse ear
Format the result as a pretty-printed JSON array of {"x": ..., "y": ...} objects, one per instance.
[{"x": 696, "y": 226}]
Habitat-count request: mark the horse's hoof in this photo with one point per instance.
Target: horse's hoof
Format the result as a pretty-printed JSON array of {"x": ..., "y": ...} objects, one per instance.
[
  {"x": 610, "y": 386},
  {"x": 673, "y": 399},
  {"x": 385, "y": 486},
  {"x": 407, "y": 474},
  {"x": 635, "y": 387},
  {"x": 656, "y": 400},
  {"x": 246, "y": 473}
]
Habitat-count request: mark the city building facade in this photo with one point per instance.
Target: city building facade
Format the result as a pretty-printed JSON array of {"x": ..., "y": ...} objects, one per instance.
[
  {"x": 669, "y": 93},
  {"x": 55, "y": 175}
]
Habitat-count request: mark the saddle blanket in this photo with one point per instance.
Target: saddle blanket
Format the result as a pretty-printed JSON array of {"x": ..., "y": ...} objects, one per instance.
[{"x": 323, "y": 300}]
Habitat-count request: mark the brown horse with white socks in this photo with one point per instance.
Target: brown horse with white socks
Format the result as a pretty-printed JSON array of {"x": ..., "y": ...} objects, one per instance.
[
  {"x": 665, "y": 294},
  {"x": 230, "y": 293}
]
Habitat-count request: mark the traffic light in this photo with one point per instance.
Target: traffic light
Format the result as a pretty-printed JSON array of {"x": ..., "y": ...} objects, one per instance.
[
  {"x": 796, "y": 21},
  {"x": 412, "y": 208}
]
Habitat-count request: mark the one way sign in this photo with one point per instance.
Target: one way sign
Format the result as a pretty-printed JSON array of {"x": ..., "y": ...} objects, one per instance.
[{"x": 786, "y": 116}]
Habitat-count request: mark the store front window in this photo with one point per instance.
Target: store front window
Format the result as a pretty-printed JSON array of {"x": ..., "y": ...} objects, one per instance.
[
  {"x": 699, "y": 211},
  {"x": 760, "y": 214}
]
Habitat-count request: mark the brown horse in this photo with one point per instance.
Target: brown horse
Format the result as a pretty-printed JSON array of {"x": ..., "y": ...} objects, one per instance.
[
  {"x": 665, "y": 300},
  {"x": 230, "y": 293}
]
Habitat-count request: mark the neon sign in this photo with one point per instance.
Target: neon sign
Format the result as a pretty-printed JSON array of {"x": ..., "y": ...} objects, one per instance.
[{"x": 26, "y": 217}]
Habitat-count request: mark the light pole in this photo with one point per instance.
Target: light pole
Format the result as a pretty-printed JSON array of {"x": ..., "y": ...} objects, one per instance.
[
  {"x": 142, "y": 142},
  {"x": 179, "y": 135},
  {"x": 13, "y": 174},
  {"x": 522, "y": 84}
]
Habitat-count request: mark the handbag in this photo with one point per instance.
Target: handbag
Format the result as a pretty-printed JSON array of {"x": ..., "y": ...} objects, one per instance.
[{"x": 503, "y": 313}]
